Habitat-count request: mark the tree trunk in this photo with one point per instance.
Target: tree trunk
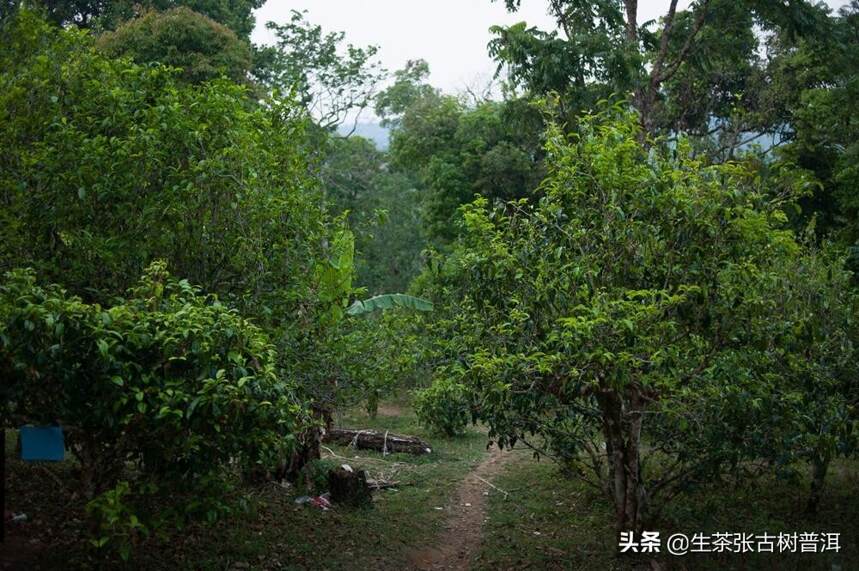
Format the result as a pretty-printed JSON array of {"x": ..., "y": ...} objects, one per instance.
[
  {"x": 308, "y": 448},
  {"x": 631, "y": 7},
  {"x": 99, "y": 469},
  {"x": 819, "y": 468},
  {"x": 373, "y": 404},
  {"x": 622, "y": 430}
]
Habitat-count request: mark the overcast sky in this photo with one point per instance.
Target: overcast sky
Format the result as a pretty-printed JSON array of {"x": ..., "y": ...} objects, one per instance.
[{"x": 450, "y": 34}]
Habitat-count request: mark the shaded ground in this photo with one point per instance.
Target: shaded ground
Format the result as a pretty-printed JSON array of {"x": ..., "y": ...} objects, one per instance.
[
  {"x": 551, "y": 522},
  {"x": 272, "y": 532},
  {"x": 540, "y": 520},
  {"x": 44, "y": 493}
]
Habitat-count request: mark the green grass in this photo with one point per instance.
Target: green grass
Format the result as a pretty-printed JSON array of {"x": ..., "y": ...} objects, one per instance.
[
  {"x": 546, "y": 522},
  {"x": 550, "y": 522}
]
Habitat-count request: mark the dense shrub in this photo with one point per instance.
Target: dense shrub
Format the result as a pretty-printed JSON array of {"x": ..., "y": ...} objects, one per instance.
[
  {"x": 375, "y": 355},
  {"x": 106, "y": 166},
  {"x": 167, "y": 393},
  {"x": 444, "y": 406}
]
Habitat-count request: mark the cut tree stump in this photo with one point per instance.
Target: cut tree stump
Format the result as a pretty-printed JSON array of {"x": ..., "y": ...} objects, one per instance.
[
  {"x": 382, "y": 441},
  {"x": 349, "y": 487}
]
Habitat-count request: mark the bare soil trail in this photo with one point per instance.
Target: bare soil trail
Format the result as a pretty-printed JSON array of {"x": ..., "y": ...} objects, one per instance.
[
  {"x": 390, "y": 409},
  {"x": 460, "y": 540}
]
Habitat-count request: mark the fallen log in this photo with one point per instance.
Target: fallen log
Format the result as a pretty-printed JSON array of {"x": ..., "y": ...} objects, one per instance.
[{"x": 382, "y": 441}]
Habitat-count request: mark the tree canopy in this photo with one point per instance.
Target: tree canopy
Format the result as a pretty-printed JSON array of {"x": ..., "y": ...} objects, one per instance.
[
  {"x": 186, "y": 174},
  {"x": 334, "y": 80},
  {"x": 697, "y": 71},
  {"x": 641, "y": 279},
  {"x": 182, "y": 38},
  {"x": 237, "y": 15},
  {"x": 459, "y": 151}
]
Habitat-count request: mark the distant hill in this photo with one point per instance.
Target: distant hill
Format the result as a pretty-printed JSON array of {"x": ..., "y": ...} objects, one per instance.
[{"x": 373, "y": 131}]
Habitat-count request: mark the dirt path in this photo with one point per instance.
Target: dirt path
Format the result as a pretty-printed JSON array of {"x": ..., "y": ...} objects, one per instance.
[
  {"x": 460, "y": 540},
  {"x": 390, "y": 409}
]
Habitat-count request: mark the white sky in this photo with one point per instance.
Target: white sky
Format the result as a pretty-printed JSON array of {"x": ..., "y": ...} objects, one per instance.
[{"x": 450, "y": 34}]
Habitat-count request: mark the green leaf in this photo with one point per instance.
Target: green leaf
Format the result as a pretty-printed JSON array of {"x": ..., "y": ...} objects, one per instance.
[{"x": 389, "y": 301}]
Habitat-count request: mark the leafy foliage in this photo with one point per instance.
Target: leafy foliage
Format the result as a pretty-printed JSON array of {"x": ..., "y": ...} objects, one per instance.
[
  {"x": 629, "y": 289},
  {"x": 192, "y": 175},
  {"x": 819, "y": 73},
  {"x": 377, "y": 354},
  {"x": 408, "y": 88},
  {"x": 698, "y": 72},
  {"x": 458, "y": 152},
  {"x": 799, "y": 410},
  {"x": 382, "y": 208},
  {"x": 170, "y": 381},
  {"x": 645, "y": 314},
  {"x": 237, "y": 15},
  {"x": 197, "y": 175},
  {"x": 444, "y": 406},
  {"x": 199, "y": 46},
  {"x": 331, "y": 80},
  {"x": 389, "y": 301}
]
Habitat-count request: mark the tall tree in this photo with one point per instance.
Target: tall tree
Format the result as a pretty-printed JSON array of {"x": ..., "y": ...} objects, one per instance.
[
  {"x": 698, "y": 72},
  {"x": 335, "y": 81},
  {"x": 819, "y": 75},
  {"x": 384, "y": 211},
  {"x": 108, "y": 165},
  {"x": 599, "y": 313},
  {"x": 409, "y": 87},
  {"x": 456, "y": 150}
]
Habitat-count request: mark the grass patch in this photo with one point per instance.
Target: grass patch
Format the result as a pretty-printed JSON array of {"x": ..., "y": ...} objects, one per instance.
[
  {"x": 551, "y": 522},
  {"x": 546, "y": 522}
]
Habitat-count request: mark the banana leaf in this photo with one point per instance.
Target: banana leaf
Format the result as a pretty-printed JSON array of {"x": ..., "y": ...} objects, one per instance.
[{"x": 389, "y": 301}]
